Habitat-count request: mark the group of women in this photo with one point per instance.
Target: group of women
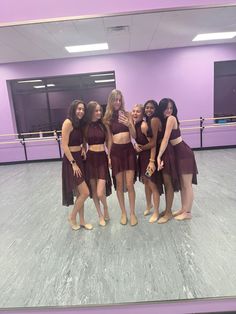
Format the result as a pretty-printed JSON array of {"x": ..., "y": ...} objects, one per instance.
[{"x": 145, "y": 143}]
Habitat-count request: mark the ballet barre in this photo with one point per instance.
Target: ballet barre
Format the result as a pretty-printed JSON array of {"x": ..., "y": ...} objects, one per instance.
[{"x": 24, "y": 138}]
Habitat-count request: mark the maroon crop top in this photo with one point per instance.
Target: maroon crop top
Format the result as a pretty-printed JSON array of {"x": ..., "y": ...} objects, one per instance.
[
  {"x": 95, "y": 133},
  {"x": 117, "y": 127},
  {"x": 175, "y": 133},
  {"x": 75, "y": 138},
  {"x": 140, "y": 137}
]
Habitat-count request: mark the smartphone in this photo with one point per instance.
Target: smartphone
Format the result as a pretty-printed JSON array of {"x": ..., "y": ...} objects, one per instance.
[
  {"x": 148, "y": 173},
  {"x": 121, "y": 113}
]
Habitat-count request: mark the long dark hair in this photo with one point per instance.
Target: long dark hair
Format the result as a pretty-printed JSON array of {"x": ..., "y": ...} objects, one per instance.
[
  {"x": 90, "y": 108},
  {"x": 72, "y": 113},
  {"x": 155, "y": 114},
  {"x": 163, "y": 106}
]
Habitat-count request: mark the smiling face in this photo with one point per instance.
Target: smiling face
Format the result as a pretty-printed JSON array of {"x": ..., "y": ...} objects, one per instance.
[
  {"x": 137, "y": 113},
  {"x": 169, "y": 110},
  {"x": 80, "y": 110},
  {"x": 117, "y": 102},
  {"x": 149, "y": 109},
  {"x": 97, "y": 113}
]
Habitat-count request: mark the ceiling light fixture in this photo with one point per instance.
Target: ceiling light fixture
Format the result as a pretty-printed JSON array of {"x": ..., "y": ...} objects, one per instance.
[
  {"x": 104, "y": 81},
  {"x": 214, "y": 36},
  {"x": 84, "y": 48}
]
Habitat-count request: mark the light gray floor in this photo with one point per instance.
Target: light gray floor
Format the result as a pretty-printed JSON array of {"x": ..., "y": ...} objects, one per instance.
[{"x": 44, "y": 263}]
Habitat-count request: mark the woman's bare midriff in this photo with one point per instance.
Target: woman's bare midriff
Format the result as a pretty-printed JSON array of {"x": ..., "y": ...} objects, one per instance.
[
  {"x": 97, "y": 148},
  {"x": 176, "y": 141},
  {"x": 121, "y": 138},
  {"x": 74, "y": 149}
]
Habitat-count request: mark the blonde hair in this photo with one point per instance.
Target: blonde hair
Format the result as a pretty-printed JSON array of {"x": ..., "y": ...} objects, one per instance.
[
  {"x": 110, "y": 109},
  {"x": 141, "y": 107}
]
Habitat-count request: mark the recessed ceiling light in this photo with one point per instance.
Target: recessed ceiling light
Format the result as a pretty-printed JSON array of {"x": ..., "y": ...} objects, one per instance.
[
  {"x": 214, "y": 36},
  {"x": 102, "y": 74},
  {"x": 104, "y": 81},
  {"x": 43, "y": 86},
  {"x": 29, "y": 81},
  {"x": 83, "y": 48}
]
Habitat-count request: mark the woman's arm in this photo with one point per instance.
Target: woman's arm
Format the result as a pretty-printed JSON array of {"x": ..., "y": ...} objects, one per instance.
[
  {"x": 128, "y": 121},
  {"x": 66, "y": 130},
  {"x": 155, "y": 124},
  {"x": 171, "y": 121},
  {"x": 131, "y": 126},
  {"x": 108, "y": 142}
]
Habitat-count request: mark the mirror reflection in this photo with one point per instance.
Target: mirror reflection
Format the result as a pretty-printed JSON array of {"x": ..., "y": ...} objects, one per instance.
[{"x": 110, "y": 189}]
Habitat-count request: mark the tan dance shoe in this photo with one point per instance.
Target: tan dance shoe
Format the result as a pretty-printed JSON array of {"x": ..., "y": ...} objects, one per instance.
[
  {"x": 123, "y": 219},
  {"x": 177, "y": 212},
  {"x": 87, "y": 226},
  {"x": 133, "y": 220},
  {"x": 164, "y": 219},
  {"x": 183, "y": 216},
  {"x": 154, "y": 218},
  {"x": 102, "y": 221},
  {"x": 74, "y": 226},
  {"x": 147, "y": 211}
]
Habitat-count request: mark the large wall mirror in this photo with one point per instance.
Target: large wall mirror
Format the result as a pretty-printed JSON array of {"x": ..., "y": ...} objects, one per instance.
[{"x": 148, "y": 55}]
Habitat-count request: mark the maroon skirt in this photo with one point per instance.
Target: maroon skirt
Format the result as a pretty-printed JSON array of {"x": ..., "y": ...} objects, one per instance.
[
  {"x": 185, "y": 160},
  {"x": 96, "y": 167},
  {"x": 123, "y": 158},
  {"x": 170, "y": 166},
  {"x": 156, "y": 177},
  {"x": 69, "y": 181}
]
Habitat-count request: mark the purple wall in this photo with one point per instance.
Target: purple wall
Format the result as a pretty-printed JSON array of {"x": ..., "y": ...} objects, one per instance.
[{"x": 184, "y": 74}]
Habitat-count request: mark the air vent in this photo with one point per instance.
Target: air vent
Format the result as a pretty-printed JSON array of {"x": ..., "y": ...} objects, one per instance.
[{"x": 118, "y": 29}]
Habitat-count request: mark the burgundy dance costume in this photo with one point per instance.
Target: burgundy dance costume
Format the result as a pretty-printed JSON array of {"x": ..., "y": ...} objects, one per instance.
[
  {"x": 69, "y": 180},
  {"x": 97, "y": 162},
  {"x": 143, "y": 159},
  {"x": 123, "y": 156},
  {"x": 184, "y": 157}
]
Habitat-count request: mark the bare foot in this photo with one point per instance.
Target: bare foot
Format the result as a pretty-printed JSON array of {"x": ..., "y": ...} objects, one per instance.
[
  {"x": 183, "y": 216},
  {"x": 177, "y": 212},
  {"x": 154, "y": 217},
  {"x": 166, "y": 217},
  {"x": 148, "y": 210}
]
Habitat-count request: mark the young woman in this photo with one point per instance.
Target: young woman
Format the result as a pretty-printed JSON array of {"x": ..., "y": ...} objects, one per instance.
[
  {"x": 146, "y": 162},
  {"x": 97, "y": 171},
  {"x": 121, "y": 152},
  {"x": 73, "y": 178},
  {"x": 184, "y": 157}
]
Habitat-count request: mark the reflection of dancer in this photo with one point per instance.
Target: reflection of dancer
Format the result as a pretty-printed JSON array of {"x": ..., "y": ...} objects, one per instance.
[
  {"x": 72, "y": 165},
  {"x": 97, "y": 171},
  {"x": 185, "y": 160},
  {"x": 146, "y": 162},
  {"x": 122, "y": 153}
]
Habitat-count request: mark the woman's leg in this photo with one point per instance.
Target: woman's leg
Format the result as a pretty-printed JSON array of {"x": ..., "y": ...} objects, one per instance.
[
  {"x": 186, "y": 197},
  {"x": 129, "y": 177},
  {"x": 94, "y": 185},
  {"x": 120, "y": 196},
  {"x": 148, "y": 194},
  {"x": 169, "y": 197},
  {"x": 101, "y": 192},
  {"x": 82, "y": 195},
  {"x": 156, "y": 201}
]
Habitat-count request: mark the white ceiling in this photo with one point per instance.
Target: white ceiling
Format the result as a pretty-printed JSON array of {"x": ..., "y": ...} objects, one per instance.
[{"x": 145, "y": 31}]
